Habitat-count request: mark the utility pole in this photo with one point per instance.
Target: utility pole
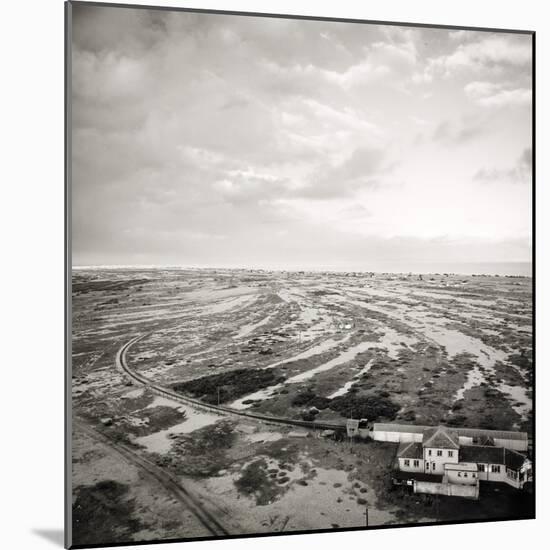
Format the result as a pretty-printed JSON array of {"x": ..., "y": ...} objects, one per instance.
[
  {"x": 351, "y": 433},
  {"x": 367, "y": 516},
  {"x": 218, "y": 396}
]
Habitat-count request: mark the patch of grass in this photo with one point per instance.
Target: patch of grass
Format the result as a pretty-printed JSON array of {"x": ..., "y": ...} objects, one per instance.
[
  {"x": 303, "y": 398},
  {"x": 371, "y": 407},
  {"x": 102, "y": 513},
  {"x": 229, "y": 385},
  {"x": 202, "y": 453},
  {"x": 255, "y": 481}
]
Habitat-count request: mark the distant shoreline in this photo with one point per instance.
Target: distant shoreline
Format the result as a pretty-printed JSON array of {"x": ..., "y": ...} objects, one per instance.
[{"x": 490, "y": 269}]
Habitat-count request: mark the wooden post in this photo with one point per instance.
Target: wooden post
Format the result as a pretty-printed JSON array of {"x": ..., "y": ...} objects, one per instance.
[{"x": 367, "y": 516}]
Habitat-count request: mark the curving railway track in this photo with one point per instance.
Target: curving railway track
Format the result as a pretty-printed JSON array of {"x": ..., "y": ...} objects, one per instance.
[{"x": 135, "y": 377}]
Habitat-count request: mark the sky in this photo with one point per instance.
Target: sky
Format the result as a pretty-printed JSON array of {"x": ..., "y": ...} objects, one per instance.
[{"x": 226, "y": 141}]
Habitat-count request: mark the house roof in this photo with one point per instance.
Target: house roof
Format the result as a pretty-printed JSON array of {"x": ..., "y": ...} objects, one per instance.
[
  {"x": 513, "y": 459},
  {"x": 461, "y": 432},
  {"x": 492, "y": 455},
  {"x": 484, "y": 440},
  {"x": 495, "y": 434},
  {"x": 481, "y": 454},
  {"x": 409, "y": 450},
  {"x": 440, "y": 437},
  {"x": 406, "y": 428}
]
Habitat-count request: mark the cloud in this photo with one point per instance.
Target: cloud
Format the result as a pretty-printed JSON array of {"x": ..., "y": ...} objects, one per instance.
[
  {"x": 495, "y": 53},
  {"x": 520, "y": 173},
  {"x": 459, "y": 35},
  {"x": 360, "y": 170},
  {"x": 526, "y": 158},
  {"x": 200, "y": 137},
  {"x": 381, "y": 60},
  {"x": 248, "y": 186},
  {"x": 459, "y": 131},
  {"x": 490, "y": 94}
]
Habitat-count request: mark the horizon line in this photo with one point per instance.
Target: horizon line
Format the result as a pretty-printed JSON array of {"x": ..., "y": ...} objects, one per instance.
[{"x": 312, "y": 269}]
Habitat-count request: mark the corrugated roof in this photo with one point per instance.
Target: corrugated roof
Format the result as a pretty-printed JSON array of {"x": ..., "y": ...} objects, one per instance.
[
  {"x": 406, "y": 428},
  {"x": 465, "y": 432},
  {"x": 495, "y": 434}
]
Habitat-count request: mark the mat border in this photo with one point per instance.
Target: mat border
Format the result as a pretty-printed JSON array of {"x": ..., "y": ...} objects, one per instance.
[{"x": 68, "y": 259}]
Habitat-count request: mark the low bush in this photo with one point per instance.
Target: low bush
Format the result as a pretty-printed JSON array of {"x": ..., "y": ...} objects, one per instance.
[
  {"x": 229, "y": 385},
  {"x": 303, "y": 398},
  {"x": 371, "y": 407}
]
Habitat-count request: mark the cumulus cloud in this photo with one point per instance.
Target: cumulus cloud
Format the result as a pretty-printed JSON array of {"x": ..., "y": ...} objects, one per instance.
[
  {"x": 459, "y": 130},
  {"x": 521, "y": 172},
  {"x": 493, "y": 53},
  {"x": 490, "y": 94},
  {"x": 200, "y": 137},
  {"x": 357, "y": 172}
]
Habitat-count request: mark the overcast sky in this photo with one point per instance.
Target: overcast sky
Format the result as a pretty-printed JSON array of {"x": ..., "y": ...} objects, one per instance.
[{"x": 215, "y": 140}]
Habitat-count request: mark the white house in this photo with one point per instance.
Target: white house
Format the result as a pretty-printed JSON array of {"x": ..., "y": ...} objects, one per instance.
[
  {"x": 463, "y": 473},
  {"x": 439, "y": 464},
  {"x": 498, "y": 464},
  {"x": 440, "y": 447}
]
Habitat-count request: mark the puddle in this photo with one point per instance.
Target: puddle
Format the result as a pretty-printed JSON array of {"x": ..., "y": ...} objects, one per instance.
[
  {"x": 249, "y": 329},
  {"x": 258, "y": 437},
  {"x": 159, "y": 442},
  {"x": 344, "y": 389},
  {"x": 231, "y": 303},
  {"x": 324, "y": 346},
  {"x": 134, "y": 394},
  {"x": 344, "y": 357}
]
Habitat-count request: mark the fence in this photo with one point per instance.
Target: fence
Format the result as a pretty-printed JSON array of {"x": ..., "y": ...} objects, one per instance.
[{"x": 447, "y": 489}]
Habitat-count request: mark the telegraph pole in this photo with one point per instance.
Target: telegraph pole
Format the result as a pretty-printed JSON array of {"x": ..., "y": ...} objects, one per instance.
[
  {"x": 350, "y": 433},
  {"x": 367, "y": 516}
]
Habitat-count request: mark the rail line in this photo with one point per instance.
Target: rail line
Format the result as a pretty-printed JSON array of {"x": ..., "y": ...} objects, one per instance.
[
  {"x": 165, "y": 479},
  {"x": 122, "y": 365}
]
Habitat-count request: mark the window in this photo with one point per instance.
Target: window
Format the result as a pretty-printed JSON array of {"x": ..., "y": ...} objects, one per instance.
[
  {"x": 433, "y": 465},
  {"x": 495, "y": 468},
  {"x": 512, "y": 474},
  {"x": 429, "y": 452},
  {"x": 407, "y": 462},
  {"x": 459, "y": 474},
  {"x": 450, "y": 453},
  {"x": 439, "y": 453},
  {"x": 481, "y": 467},
  {"x": 465, "y": 474},
  {"x": 474, "y": 475},
  {"x": 416, "y": 463}
]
